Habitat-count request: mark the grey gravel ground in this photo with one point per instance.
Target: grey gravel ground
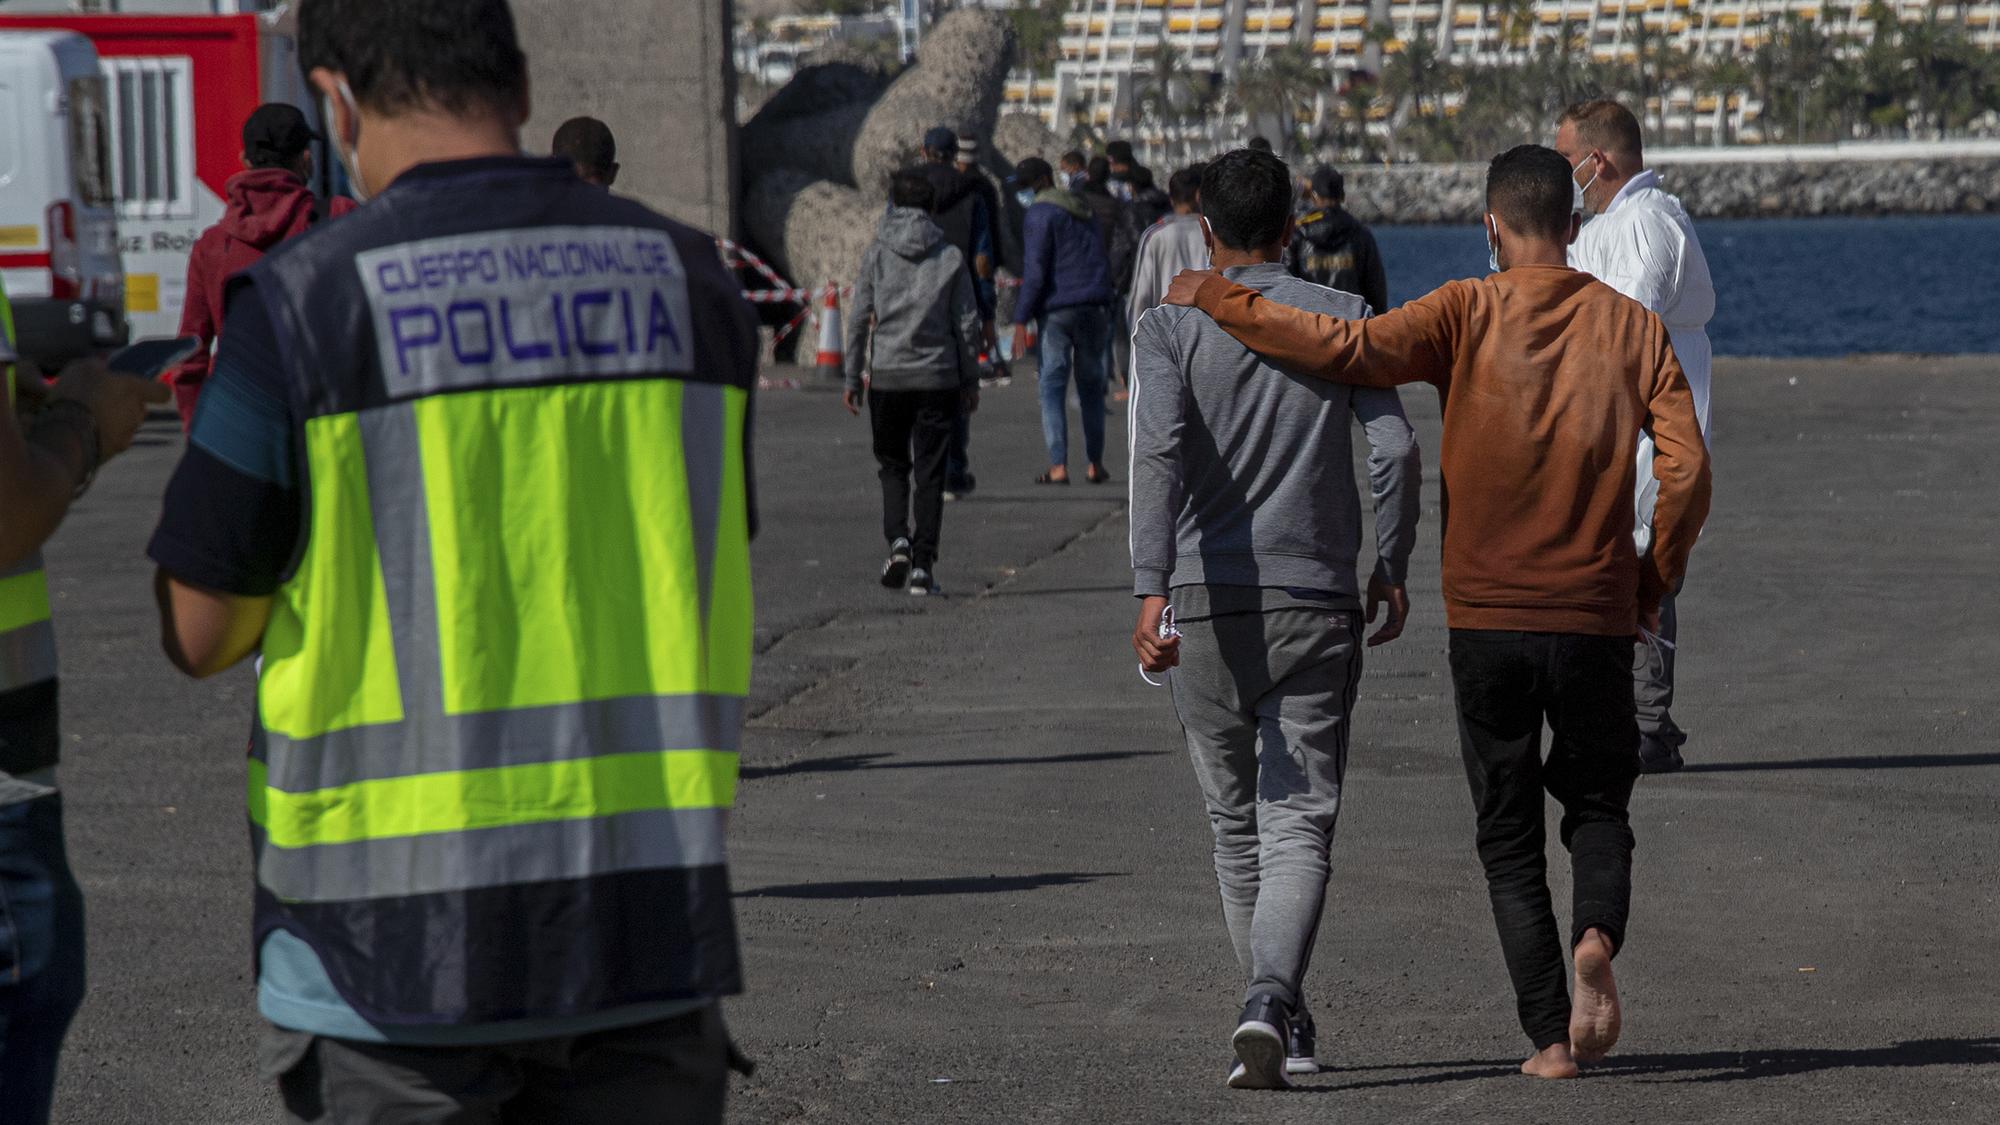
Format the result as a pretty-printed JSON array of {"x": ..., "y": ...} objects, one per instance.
[{"x": 972, "y": 864}]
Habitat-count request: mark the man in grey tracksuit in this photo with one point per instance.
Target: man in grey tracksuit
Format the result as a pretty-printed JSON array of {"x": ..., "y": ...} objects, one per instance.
[
  {"x": 916, "y": 334},
  {"x": 1245, "y": 519}
]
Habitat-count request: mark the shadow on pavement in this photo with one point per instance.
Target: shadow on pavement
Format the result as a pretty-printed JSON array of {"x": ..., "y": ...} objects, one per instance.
[
  {"x": 1708, "y": 1066},
  {"x": 906, "y": 888},
  {"x": 845, "y": 762},
  {"x": 1118, "y": 588},
  {"x": 1860, "y": 762}
]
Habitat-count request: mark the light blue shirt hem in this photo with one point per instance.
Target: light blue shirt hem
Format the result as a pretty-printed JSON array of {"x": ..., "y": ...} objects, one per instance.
[{"x": 294, "y": 992}]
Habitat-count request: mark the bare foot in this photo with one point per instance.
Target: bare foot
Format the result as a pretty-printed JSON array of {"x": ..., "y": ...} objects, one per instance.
[
  {"x": 1594, "y": 1018},
  {"x": 1552, "y": 1061}
]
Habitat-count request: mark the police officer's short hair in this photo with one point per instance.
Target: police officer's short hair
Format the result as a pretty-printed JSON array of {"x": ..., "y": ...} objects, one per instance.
[{"x": 401, "y": 55}]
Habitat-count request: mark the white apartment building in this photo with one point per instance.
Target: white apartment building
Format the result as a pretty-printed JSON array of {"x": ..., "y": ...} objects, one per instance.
[{"x": 1110, "y": 48}]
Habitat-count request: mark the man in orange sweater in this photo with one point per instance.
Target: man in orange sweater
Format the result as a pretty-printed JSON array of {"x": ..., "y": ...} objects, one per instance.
[{"x": 1547, "y": 378}]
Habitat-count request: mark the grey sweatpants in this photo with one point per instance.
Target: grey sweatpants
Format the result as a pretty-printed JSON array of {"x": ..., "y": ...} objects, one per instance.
[
  {"x": 1653, "y": 684},
  {"x": 1264, "y": 698}
]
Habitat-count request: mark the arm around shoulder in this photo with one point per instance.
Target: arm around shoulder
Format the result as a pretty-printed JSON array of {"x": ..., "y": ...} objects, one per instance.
[{"x": 1409, "y": 345}]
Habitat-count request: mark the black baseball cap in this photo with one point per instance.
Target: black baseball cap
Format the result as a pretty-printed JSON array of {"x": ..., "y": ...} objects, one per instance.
[
  {"x": 1327, "y": 183},
  {"x": 276, "y": 132},
  {"x": 1028, "y": 172},
  {"x": 941, "y": 139}
]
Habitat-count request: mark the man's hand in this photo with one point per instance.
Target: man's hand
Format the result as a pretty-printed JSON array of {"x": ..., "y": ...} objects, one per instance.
[
  {"x": 1397, "y": 598},
  {"x": 1649, "y": 619},
  {"x": 1186, "y": 284},
  {"x": 851, "y": 400},
  {"x": 1024, "y": 340},
  {"x": 1156, "y": 653},
  {"x": 968, "y": 399},
  {"x": 117, "y": 402}
]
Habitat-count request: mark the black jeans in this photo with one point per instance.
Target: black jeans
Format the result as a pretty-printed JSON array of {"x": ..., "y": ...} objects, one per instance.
[
  {"x": 1508, "y": 684},
  {"x": 912, "y": 435}
]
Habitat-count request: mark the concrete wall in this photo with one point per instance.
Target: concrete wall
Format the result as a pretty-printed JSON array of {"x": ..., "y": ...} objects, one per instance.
[
  {"x": 1775, "y": 186},
  {"x": 658, "y": 73}
]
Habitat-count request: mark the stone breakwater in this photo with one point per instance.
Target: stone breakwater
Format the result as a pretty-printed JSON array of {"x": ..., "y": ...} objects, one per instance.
[{"x": 1455, "y": 193}]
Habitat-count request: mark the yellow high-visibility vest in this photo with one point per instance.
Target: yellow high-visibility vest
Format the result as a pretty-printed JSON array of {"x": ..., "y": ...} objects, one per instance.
[{"x": 503, "y": 687}]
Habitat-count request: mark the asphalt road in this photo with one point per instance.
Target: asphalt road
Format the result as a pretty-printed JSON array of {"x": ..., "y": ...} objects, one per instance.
[{"x": 972, "y": 863}]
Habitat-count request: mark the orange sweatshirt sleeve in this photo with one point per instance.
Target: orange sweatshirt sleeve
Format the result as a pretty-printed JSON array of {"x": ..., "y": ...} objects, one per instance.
[
  {"x": 1409, "y": 345},
  {"x": 1680, "y": 463}
]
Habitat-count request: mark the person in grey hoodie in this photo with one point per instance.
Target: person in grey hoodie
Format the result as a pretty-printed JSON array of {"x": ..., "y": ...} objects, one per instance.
[
  {"x": 1244, "y": 519},
  {"x": 914, "y": 346}
]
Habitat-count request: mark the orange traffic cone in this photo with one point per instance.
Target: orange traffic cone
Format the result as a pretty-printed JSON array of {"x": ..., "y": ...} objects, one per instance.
[{"x": 831, "y": 361}]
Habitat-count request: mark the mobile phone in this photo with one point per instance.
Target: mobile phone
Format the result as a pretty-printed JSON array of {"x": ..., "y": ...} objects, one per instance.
[{"x": 149, "y": 359}]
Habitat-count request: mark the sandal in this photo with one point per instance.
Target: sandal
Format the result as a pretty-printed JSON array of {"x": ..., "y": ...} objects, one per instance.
[
  {"x": 1096, "y": 474},
  {"x": 1048, "y": 477}
]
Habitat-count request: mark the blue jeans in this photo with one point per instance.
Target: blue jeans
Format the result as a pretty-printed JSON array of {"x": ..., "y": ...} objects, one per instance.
[
  {"x": 1074, "y": 338},
  {"x": 41, "y": 956}
]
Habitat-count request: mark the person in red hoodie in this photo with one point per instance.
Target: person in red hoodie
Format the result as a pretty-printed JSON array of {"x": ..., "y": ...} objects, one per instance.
[{"x": 268, "y": 202}]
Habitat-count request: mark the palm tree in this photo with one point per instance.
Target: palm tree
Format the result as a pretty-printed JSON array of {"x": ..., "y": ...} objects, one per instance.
[
  {"x": 1282, "y": 86},
  {"x": 1416, "y": 76},
  {"x": 1725, "y": 76}
]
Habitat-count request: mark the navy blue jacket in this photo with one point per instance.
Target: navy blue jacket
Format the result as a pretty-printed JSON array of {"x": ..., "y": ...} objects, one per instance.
[{"x": 1065, "y": 263}]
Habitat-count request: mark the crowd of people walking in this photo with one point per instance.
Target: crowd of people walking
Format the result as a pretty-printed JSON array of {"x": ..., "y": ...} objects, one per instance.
[{"x": 469, "y": 475}]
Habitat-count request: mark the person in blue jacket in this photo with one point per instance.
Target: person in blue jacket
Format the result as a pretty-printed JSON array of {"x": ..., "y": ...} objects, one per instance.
[{"x": 1065, "y": 302}]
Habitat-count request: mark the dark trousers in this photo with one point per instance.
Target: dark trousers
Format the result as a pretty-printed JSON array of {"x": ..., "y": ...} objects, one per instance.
[
  {"x": 674, "y": 1070},
  {"x": 958, "y": 457},
  {"x": 41, "y": 956},
  {"x": 1508, "y": 685},
  {"x": 912, "y": 436}
]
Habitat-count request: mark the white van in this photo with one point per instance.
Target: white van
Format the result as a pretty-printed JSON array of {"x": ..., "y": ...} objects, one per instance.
[{"x": 58, "y": 229}]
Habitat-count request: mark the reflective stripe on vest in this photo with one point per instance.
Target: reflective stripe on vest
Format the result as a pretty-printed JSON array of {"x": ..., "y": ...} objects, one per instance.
[{"x": 516, "y": 647}]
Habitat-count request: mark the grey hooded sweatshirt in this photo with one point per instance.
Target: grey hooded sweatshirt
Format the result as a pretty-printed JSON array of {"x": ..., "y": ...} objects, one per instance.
[{"x": 913, "y": 300}]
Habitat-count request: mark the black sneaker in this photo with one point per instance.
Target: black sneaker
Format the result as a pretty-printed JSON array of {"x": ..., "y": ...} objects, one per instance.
[
  {"x": 960, "y": 488},
  {"x": 1301, "y": 1046},
  {"x": 1260, "y": 1043},
  {"x": 922, "y": 585},
  {"x": 896, "y": 571},
  {"x": 1657, "y": 756}
]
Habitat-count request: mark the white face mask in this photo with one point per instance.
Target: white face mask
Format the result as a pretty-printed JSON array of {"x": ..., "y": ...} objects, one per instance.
[
  {"x": 1025, "y": 197},
  {"x": 1576, "y": 201},
  {"x": 348, "y": 155},
  {"x": 1492, "y": 245}
]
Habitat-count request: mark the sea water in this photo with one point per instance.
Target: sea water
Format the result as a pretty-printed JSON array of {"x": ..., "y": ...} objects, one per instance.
[{"x": 1795, "y": 287}]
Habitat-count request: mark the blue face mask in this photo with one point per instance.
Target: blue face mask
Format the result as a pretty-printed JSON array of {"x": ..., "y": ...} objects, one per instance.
[
  {"x": 1025, "y": 197},
  {"x": 1492, "y": 247}
]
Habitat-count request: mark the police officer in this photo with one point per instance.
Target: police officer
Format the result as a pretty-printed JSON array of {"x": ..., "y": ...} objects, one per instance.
[
  {"x": 46, "y": 462},
  {"x": 477, "y": 486}
]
